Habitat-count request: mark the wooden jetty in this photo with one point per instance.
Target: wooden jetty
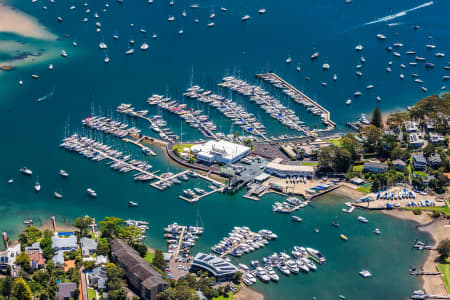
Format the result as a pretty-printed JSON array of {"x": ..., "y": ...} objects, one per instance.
[{"x": 180, "y": 241}]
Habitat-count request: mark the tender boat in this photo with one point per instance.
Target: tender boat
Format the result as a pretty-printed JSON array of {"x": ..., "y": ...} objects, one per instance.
[
  {"x": 343, "y": 237},
  {"x": 377, "y": 231}
]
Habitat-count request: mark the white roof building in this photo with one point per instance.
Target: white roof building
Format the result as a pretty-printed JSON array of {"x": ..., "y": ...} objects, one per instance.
[
  {"x": 276, "y": 168},
  {"x": 220, "y": 152}
]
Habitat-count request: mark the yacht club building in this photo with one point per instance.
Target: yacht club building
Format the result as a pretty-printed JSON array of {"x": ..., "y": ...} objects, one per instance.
[
  {"x": 220, "y": 152},
  {"x": 218, "y": 267},
  {"x": 280, "y": 169}
]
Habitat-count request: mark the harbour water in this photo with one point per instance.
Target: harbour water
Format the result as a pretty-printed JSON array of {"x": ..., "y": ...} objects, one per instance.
[{"x": 83, "y": 84}]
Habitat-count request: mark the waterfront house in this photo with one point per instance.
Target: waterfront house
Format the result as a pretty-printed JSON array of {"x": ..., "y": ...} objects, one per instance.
[
  {"x": 374, "y": 167},
  {"x": 88, "y": 246},
  {"x": 434, "y": 160},
  {"x": 399, "y": 164},
  {"x": 37, "y": 259},
  {"x": 64, "y": 244},
  {"x": 143, "y": 279},
  {"x": 419, "y": 162},
  {"x": 8, "y": 256},
  {"x": 411, "y": 126},
  {"x": 415, "y": 140},
  {"x": 277, "y": 168},
  {"x": 216, "y": 266},
  {"x": 66, "y": 291}
]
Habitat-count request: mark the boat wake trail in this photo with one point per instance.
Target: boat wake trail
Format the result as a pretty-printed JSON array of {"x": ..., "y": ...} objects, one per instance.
[
  {"x": 52, "y": 92},
  {"x": 399, "y": 14}
]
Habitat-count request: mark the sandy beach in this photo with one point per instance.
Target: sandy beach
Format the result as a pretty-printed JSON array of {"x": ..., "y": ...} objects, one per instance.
[
  {"x": 439, "y": 230},
  {"x": 14, "y": 21},
  {"x": 246, "y": 293}
]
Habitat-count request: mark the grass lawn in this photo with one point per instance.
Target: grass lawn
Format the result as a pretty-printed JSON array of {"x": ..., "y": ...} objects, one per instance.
[
  {"x": 149, "y": 257},
  {"x": 358, "y": 168},
  {"x": 445, "y": 209},
  {"x": 336, "y": 141},
  {"x": 444, "y": 268},
  {"x": 312, "y": 163},
  {"x": 365, "y": 188},
  {"x": 420, "y": 173},
  {"x": 92, "y": 294},
  {"x": 180, "y": 147},
  {"x": 230, "y": 297}
]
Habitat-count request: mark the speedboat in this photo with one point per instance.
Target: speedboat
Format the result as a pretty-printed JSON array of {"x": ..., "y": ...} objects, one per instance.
[
  {"x": 91, "y": 193},
  {"x": 381, "y": 36},
  {"x": 171, "y": 19},
  {"x": 63, "y": 53},
  {"x": 288, "y": 60},
  {"x": 129, "y": 51},
  {"x": 359, "y": 47},
  {"x": 314, "y": 55},
  {"x": 106, "y": 59},
  {"x": 102, "y": 45},
  {"x": 57, "y": 195},
  {"x": 343, "y": 237},
  {"x": 365, "y": 274},
  {"x": 63, "y": 173},
  {"x": 26, "y": 171},
  {"x": 296, "y": 219},
  {"x": 326, "y": 66},
  {"x": 10, "y": 181},
  {"x": 362, "y": 219},
  {"x": 377, "y": 231},
  {"x": 37, "y": 186},
  {"x": 132, "y": 204},
  {"x": 245, "y": 18},
  {"x": 262, "y": 11}
]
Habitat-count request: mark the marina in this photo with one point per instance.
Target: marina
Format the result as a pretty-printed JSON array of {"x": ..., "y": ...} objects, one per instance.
[
  {"x": 242, "y": 240},
  {"x": 181, "y": 239},
  {"x": 301, "y": 98},
  {"x": 194, "y": 118},
  {"x": 269, "y": 104},
  {"x": 236, "y": 113}
]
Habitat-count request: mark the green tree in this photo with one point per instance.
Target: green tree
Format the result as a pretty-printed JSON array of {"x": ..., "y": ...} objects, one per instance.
[
  {"x": 29, "y": 236},
  {"x": 444, "y": 248},
  {"x": 89, "y": 265},
  {"x": 377, "y": 119},
  {"x": 7, "y": 286},
  {"x": 140, "y": 248},
  {"x": 333, "y": 158},
  {"x": 429, "y": 150},
  {"x": 45, "y": 242},
  {"x": 111, "y": 227},
  {"x": 118, "y": 294},
  {"x": 21, "y": 290},
  {"x": 83, "y": 223},
  {"x": 237, "y": 277},
  {"x": 373, "y": 134},
  {"x": 23, "y": 260},
  {"x": 48, "y": 252},
  {"x": 103, "y": 247},
  {"x": 47, "y": 234},
  {"x": 158, "y": 260},
  {"x": 350, "y": 144}
]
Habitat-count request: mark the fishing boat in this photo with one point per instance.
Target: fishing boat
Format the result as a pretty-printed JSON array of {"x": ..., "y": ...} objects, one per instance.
[
  {"x": 343, "y": 237},
  {"x": 63, "y": 173},
  {"x": 362, "y": 219},
  {"x": 57, "y": 195},
  {"x": 296, "y": 219},
  {"x": 132, "y": 204},
  {"x": 26, "y": 171},
  {"x": 91, "y": 193}
]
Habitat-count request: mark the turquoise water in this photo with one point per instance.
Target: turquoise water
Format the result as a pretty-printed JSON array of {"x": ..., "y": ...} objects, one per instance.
[{"x": 83, "y": 84}]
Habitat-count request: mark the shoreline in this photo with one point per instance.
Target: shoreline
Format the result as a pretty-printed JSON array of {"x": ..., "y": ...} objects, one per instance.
[{"x": 438, "y": 231}]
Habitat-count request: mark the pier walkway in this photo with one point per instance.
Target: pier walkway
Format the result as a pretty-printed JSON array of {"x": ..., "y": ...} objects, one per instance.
[
  {"x": 326, "y": 114},
  {"x": 195, "y": 199},
  {"x": 137, "y": 143},
  {"x": 180, "y": 241}
]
